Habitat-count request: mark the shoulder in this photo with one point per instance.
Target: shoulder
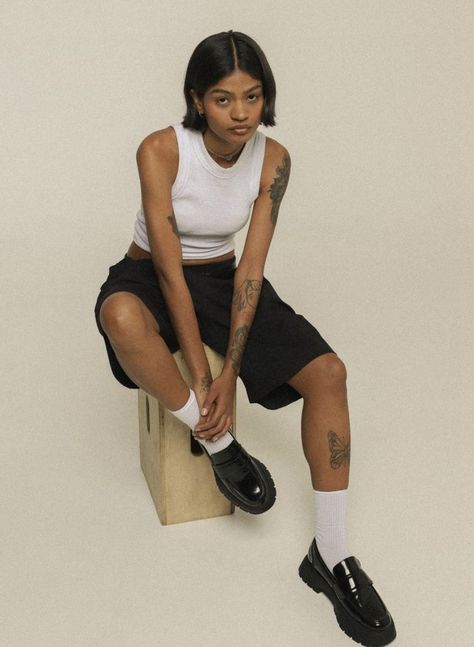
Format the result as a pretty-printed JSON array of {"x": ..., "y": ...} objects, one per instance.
[
  {"x": 161, "y": 141},
  {"x": 276, "y": 162},
  {"x": 160, "y": 147}
]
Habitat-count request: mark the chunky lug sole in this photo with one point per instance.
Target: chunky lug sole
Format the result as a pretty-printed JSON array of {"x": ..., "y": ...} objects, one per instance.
[
  {"x": 370, "y": 637},
  {"x": 257, "y": 509}
]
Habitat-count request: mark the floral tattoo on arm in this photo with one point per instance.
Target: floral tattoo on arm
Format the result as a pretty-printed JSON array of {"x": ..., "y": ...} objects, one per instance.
[
  {"x": 246, "y": 297},
  {"x": 247, "y": 294},
  {"x": 238, "y": 345},
  {"x": 278, "y": 187},
  {"x": 206, "y": 382}
]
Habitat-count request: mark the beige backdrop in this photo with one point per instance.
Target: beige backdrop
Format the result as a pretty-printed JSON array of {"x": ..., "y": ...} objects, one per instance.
[{"x": 374, "y": 245}]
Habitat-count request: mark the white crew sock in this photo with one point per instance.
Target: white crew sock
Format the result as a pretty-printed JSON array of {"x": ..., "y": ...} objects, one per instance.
[
  {"x": 189, "y": 415},
  {"x": 331, "y": 526}
]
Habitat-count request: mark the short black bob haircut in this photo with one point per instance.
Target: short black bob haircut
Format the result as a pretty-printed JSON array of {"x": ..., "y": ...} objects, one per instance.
[{"x": 218, "y": 56}]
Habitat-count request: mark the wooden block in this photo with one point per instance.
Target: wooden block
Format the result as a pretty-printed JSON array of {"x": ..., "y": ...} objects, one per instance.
[{"x": 181, "y": 484}]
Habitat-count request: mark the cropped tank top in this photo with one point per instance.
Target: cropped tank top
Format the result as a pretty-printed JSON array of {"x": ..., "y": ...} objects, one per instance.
[{"x": 210, "y": 203}]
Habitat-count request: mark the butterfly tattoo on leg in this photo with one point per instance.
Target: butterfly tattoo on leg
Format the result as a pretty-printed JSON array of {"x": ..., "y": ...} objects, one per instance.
[{"x": 340, "y": 451}]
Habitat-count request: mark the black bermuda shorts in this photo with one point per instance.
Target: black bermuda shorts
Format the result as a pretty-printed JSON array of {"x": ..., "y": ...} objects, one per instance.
[{"x": 279, "y": 344}]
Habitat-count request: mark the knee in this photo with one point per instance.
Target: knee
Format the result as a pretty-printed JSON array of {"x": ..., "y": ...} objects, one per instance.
[
  {"x": 121, "y": 318},
  {"x": 329, "y": 370}
]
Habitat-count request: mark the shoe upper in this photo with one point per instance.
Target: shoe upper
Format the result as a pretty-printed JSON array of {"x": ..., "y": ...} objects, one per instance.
[
  {"x": 236, "y": 468},
  {"x": 234, "y": 464},
  {"x": 353, "y": 587}
]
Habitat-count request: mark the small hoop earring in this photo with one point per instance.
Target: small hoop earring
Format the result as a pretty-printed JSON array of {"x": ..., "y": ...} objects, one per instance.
[{"x": 201, "y": 114}]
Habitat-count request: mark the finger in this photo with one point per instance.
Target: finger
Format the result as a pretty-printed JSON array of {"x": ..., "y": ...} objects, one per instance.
[
  {"x": 206, "y": 427},
  {"x": 205, "y": 424},
  {"x": 224, "y": 428},
  {"x": 207, "y": 404},
  {"x": 210, "y": 420},
  {"x": 205, "y": 408},
  {"x": 204, "y": 419},
  {"x": 215, "y": 432}
]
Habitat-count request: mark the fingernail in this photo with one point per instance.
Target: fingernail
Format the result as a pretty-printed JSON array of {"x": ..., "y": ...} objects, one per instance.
[{"x": 204, "y": 412}]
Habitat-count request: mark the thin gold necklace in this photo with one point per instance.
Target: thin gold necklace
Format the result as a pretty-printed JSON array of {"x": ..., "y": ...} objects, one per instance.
[{"x": 227, "y": 158}]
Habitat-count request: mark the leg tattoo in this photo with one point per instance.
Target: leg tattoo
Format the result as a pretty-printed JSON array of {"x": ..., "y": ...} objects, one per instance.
[{"x": 339, "y": 450}]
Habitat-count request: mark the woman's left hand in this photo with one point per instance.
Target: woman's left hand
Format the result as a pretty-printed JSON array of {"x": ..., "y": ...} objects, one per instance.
[{"x": 219, "y": 404}]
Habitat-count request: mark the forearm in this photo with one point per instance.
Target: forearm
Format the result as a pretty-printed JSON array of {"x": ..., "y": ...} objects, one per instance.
[
  {"x": 185, "y": 325},
  {"x": 247, "y": 288}
]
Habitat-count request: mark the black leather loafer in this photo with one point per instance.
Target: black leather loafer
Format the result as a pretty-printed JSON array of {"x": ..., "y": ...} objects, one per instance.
[
  {"x": 243, "y": 479},
  {"x": 359, "y": 610}
]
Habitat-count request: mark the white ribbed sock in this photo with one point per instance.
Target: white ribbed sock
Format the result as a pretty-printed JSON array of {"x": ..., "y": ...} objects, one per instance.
[
  {"x": 331, "y": 526},
  {"x": 189, "y": 415}
]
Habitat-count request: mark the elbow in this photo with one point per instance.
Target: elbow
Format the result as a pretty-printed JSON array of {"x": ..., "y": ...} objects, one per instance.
[
  {"x": 248, "y": 271},
  {"x": 169, "y": 277},
  {"x": 168, "y": 268}
]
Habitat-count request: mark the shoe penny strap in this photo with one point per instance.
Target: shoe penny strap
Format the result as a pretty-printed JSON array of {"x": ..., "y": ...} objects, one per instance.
[{"x": 354, "y": 582}]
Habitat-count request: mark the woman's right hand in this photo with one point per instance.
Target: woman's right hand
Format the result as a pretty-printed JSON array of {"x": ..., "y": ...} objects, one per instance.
[
  {"x": 201, "y": 389},
  {"x": 220, "y": 402}
]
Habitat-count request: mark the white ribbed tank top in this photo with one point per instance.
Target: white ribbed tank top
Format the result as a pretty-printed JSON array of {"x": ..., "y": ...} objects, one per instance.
[{"x": 210, "y": 203}]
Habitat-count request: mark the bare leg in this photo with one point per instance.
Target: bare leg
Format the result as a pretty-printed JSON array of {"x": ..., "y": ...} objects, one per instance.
[
  {"x": 325, "y": 427},
  {"x": 326, "y": 444},
  {"x": 134, "y": 335}
]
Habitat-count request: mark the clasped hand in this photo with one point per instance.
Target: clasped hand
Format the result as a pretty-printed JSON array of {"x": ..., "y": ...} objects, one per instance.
[{"x": 216, "y": 408}]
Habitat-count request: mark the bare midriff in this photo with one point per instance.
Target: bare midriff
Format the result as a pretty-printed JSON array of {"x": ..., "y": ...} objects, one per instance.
[{"x": 137, "y": 253}]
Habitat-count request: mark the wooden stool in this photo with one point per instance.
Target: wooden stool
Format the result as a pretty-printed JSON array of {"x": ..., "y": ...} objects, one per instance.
[{"x": 181, "y": 481}]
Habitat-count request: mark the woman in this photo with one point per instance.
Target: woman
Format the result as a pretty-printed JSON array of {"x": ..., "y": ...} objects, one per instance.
[{"x": 178, "y": 286}]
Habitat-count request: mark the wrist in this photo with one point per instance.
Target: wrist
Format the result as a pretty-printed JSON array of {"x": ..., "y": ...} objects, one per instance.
[
  {"x": 228, "y": 372},
  {"x": 202, "y": 382}
]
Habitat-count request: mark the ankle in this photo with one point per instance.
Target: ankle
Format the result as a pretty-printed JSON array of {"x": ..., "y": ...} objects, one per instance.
[{"x": 330, "y": 530}]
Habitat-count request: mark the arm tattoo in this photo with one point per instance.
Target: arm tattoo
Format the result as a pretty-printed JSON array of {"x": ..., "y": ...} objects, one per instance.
[
  {"x": 206, "y": 382},
  {"x": 247, "y": 294},
  {"x": 238, "y": 346},
  {"x": 278, "y": 187},
  {"x": 174, "y": 226},
  {"x": 340, "y": 451}
]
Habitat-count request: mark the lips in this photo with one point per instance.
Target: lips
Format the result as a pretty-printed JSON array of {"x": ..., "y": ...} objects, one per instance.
[{"x": 240, "y": 128}]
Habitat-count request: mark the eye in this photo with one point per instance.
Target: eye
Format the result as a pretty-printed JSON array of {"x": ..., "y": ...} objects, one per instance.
[
  {"x": 253, "y": 98},
  {"x": 221, "y": 101}
]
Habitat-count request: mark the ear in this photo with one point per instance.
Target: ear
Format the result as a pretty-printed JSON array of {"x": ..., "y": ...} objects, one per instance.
[{"x": 197, "y": 101}]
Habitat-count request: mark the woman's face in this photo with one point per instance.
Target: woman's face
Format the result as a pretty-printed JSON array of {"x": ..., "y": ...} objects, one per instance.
[{"x": 233, "y": 108}]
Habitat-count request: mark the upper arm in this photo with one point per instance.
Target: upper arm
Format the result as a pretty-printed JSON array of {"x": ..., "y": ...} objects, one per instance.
[
  {"x": 157, "y": 161},
  {"x": 274, "y": 180}
]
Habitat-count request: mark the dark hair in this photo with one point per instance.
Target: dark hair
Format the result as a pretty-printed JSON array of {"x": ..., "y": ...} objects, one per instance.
[{"x": 219, "y": 55}]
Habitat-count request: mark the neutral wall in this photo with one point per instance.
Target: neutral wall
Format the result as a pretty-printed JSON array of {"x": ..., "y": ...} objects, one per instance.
[{"x": 374, "y": 245}]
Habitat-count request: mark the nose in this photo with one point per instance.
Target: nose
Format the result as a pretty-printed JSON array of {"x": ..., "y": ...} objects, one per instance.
[{"x": 239, "y": 112}]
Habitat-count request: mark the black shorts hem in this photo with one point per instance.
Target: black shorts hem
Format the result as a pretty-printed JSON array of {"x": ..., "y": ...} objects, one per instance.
[{"x": 282, "y": 394}]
